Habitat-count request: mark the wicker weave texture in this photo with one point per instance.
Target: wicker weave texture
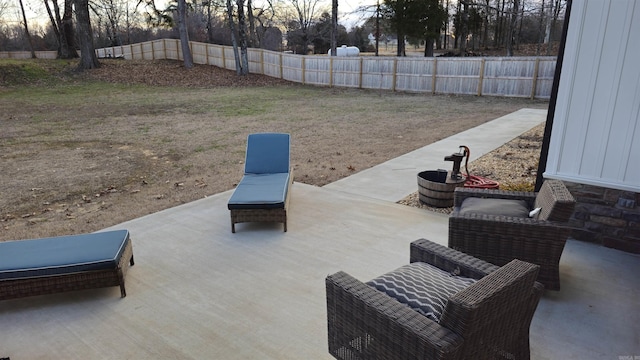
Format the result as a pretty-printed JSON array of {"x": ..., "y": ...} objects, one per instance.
[
  {"x": 17, "y": 288},
  {"x": 488, "y": 320},
  {"x": 500, "y": 239},
  {"x": 258, "y": 215}
]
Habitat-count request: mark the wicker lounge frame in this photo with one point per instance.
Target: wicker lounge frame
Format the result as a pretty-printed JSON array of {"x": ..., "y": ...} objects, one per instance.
[
  {"x": 82, "y": 280},
  {"x": 277, "y": 215},
  {"x": 500, "y": 239},
  {"x": 488, "y": 320}
]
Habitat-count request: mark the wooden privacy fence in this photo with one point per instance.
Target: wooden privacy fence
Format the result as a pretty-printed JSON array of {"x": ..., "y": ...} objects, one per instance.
[
  {"x": 530, "y": 77},
  {"x": 27, "y": 54}
]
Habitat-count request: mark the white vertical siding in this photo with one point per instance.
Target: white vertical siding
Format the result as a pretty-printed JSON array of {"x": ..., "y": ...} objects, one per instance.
[{"x": 596, "y": 137}]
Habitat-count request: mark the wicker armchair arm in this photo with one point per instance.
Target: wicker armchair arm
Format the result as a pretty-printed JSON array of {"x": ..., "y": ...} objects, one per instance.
[
  {"x": 495, "y": 302},
  {"x": 449, "y": 260},
  {"x": 365, "y": 323},
  {"x": 461, "y": 193},
  {"x": 484, "y": 223}
]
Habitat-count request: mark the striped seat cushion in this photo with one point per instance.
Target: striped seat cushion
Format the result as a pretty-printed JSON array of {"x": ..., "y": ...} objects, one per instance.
[{"x": 421, "y": 286}]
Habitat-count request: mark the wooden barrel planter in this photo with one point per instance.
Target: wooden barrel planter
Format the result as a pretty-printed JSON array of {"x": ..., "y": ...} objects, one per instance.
[{"x": 435, "y": 188}]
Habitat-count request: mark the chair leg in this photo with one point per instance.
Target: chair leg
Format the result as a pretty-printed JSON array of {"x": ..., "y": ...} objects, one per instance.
[
  {"x": 233, "y": 227},
  {"x": 123, "y": 292}
]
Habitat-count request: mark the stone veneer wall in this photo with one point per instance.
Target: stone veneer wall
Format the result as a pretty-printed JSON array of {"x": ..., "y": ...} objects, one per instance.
[{"x": 606, "y": 216}]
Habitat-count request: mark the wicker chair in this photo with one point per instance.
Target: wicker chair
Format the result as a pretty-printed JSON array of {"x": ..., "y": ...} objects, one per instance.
[
  {"x": 488, "y": 320},
  {"x": 499, "y": 239}
]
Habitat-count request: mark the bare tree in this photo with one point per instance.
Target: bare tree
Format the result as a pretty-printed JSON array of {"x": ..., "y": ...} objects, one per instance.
[
  {"x": 253, "y": 35},
  {"x": 465, "y": 27},
  {"x": 26, "y": 30},
  {"x": 184, "y": 34},
  {"x": 114, "y": 13},
  {"x": 4, "y": 5},
  {"x": 242, "y": 36},
  {"x": 513, "y": 21},
  {"x": 334, "y": 27},
  {"x": 306, "y": 13},
  {"x": 63, "y": 28},
  {"x": 557, "y": 6},
  {"x": 234, "y": 41},
  {"x": 88, "y": 58}
]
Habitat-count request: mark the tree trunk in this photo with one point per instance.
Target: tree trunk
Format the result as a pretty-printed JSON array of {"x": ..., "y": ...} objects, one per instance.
[
  {"x": 184, "y": 34},
  {"x": 67, "y": 30},
  {"x": 465, "y": 28},
  {"x": 513, "y": 21},
  {"x": 400, "y": 48},
  {"x": 334, "y": 27},
  {"x": 485, "y": 23},
  {"x": 556, "y": 12},
  {"x": 26, "y": 30},
  {"x": 428, "y": 47},
  {"x": 253, "y": 35},
  {"x": 499, "y": 24},
  {"x": 88, "y": 59},
  {"x": 209, "y": 27},
  {"x": 55, "y": 25},
  {"x": 242, "y": 34},
  {"x": 234, "y": 42}
]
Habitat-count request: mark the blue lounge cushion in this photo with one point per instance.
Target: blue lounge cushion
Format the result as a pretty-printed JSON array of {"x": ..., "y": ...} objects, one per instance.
[
  {"x": 267, "y": 153},
  {"x": 62, "y": 254},
  {"x": 260, "y": 191}
]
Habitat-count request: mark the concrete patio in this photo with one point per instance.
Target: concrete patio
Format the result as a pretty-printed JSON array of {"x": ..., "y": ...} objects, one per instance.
[{"x": 198, "y": 291}]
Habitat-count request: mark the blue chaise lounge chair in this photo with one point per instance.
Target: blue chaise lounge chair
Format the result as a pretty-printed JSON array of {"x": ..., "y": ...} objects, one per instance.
[
  {"x": 263, "y": 193},
  {"x": 64, "y": 263}
]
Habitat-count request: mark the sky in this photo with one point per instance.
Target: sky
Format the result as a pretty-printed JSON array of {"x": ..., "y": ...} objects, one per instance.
[
  {"x": 36, "y": 13},
  {"x": 348, "y": 14}
]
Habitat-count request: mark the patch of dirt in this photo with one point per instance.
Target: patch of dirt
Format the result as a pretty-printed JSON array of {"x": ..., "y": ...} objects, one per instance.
[
  {"x": 173, "y": 73},
  {"x": 72, "y": 168}
]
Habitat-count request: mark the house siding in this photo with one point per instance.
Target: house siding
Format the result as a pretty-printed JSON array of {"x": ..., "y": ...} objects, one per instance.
[{"x": 596, "y": 133}]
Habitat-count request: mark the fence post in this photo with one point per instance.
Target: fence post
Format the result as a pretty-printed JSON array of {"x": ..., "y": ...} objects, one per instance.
[
  {"x": 361, "y": 70},
  {"x": 153, "y": 51},
  {"x": 304, "y": 69},
  {"x": 281, "y": 69},
  {"x": 395, "y": 74},
  {"x": 534, "y": 83},
  {"x": 481, "y": 77},
  {"x": 434, "y": 76},
  {"x": 331, "y": 71},
  {"x": 262, "y": 61}
]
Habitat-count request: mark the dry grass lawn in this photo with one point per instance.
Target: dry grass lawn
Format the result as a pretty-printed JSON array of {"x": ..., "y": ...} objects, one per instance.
[{"x": 84, "y": 152}]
